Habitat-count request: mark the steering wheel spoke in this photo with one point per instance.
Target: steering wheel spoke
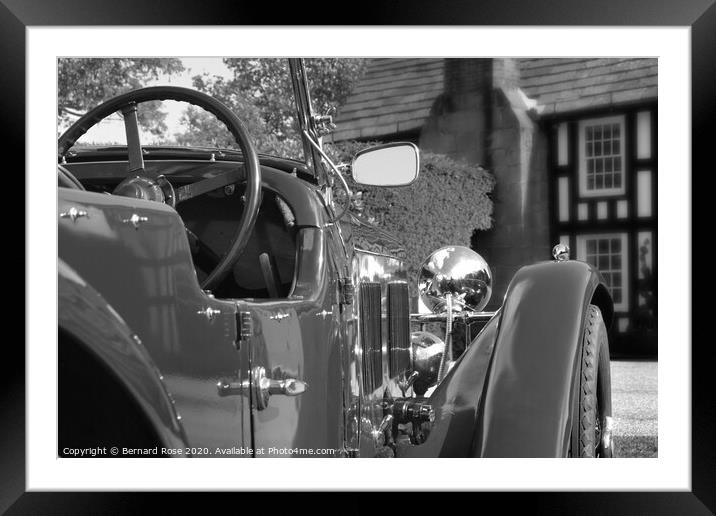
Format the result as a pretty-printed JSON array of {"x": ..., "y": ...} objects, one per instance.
[
  {"x": 134, "y": 144},
  {"x": 220, "y": 180}
]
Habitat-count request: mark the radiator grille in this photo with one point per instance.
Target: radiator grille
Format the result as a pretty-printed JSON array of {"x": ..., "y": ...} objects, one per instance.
[
  {"x": 371, "y": 338},
  {"x": 398, "y": 328}
]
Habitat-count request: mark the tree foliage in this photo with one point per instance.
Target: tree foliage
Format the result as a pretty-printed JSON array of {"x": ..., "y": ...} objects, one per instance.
[
  {"x": 83, "y": 83},
  {"x": 261, "y": 94}
]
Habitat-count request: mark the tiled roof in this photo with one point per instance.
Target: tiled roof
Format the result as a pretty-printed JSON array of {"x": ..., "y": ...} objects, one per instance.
[
  {"x": 561, "y": 85},
  {"x": 394, "y": 95}
]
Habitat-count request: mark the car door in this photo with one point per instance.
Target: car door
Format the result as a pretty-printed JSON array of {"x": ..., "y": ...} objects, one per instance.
[
  {"x": 295, "y": 359},
  {"x": 135, "y": 253}
]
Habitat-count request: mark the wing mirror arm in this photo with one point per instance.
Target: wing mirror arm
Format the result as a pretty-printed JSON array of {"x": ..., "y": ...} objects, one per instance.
[{"x": 337, "y": 172}]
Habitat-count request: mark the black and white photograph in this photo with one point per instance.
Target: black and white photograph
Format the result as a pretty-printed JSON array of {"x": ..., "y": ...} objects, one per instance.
[
  {"x": 422, "y": 252},
  {"x": 357, "y": 257}
]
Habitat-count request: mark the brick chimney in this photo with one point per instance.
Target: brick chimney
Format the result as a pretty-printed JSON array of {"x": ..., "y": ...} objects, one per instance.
[
  {"x": 482, "y": 116},
  {"x": 457, "y": 123},
  {"x": 518, "y": 159}
]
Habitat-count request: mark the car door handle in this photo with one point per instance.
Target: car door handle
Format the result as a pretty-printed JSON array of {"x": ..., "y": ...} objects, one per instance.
[{"x": 261, "y": 388}]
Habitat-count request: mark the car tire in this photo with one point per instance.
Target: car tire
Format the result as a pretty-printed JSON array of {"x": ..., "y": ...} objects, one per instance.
[{"x": 593, "y": 408}]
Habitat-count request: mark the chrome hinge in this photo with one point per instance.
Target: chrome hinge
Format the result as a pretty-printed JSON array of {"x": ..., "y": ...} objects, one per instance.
[
  {"x": 347, "y": 290},
  {"x": 246, "y": 327},
  {"x": 323, "y": 124}
]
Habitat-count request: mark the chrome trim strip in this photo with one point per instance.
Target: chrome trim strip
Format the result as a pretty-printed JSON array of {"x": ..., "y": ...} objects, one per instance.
[{"x": 468, "y": 317}]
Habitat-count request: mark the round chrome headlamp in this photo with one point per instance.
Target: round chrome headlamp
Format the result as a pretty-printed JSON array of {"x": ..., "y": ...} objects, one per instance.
[{"x": 457, "y": 271}]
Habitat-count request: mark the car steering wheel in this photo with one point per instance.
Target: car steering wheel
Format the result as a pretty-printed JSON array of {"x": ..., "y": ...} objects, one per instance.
[{"x": 148, "y": 185}]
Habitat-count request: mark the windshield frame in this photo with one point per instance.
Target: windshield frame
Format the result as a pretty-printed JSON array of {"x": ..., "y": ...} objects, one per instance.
[{"x": 306, "y": 120}]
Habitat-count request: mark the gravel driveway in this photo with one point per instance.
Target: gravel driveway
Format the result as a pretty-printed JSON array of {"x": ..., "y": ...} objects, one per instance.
[{"x": 634, "y": 403}]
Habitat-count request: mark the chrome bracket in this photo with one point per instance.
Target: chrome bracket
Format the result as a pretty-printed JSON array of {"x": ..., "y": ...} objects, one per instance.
[
  {"x": 607, "y": 443},
  {"x": 246, "y": 328},
  {"x": 323, "y": 124},
  {"x": 379, "y": 433},
  {"x": 246, "y": 325},
  {"x": 209, "y": 312},
  {"x": 73, "y": 214},
  {"x": 406, "y": 382},
  {"x": 135, "y": 220},
  {"x": 347, "y": 290}
]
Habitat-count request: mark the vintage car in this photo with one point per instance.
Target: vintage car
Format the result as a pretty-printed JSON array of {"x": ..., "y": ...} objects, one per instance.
[{"x": 218, "y": 302}]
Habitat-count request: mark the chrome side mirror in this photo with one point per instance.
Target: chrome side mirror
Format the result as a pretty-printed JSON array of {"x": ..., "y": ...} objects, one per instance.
[{"x": 392, "y": 164}]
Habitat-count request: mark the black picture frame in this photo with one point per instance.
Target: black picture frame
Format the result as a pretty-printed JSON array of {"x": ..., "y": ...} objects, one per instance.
[{"x": 699, "y": 15}]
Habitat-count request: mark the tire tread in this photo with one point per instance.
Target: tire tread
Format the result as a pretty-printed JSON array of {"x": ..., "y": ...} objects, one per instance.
[{"x": 588, "y": 382}]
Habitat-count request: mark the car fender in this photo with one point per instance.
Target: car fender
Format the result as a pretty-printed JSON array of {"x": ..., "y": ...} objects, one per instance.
[
  {"x": 532, "y": 380},
  {"x": 87, "y": 318}
]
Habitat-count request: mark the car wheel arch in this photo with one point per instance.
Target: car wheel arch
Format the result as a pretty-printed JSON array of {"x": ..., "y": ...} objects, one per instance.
[
  {"x": 86, "y": 318},
  {"x": 534, "y": 363},
  {"x": 603, "y": 300},
  {"x": 93, "y": 402}
]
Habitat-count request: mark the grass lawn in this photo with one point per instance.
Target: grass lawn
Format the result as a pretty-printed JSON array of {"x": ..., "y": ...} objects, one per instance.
[{"x": 634, "y": 403}]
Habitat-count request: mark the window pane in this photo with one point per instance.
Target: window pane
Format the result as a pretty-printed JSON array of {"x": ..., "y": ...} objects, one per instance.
[
  {"x": 606, "y": 253},
  {"x": 617, "y": 278},
  {"x": 602, "y": 156}
]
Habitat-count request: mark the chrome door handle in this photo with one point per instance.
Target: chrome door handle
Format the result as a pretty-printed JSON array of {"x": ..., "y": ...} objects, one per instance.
[{"x": 261, "y": 387}]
